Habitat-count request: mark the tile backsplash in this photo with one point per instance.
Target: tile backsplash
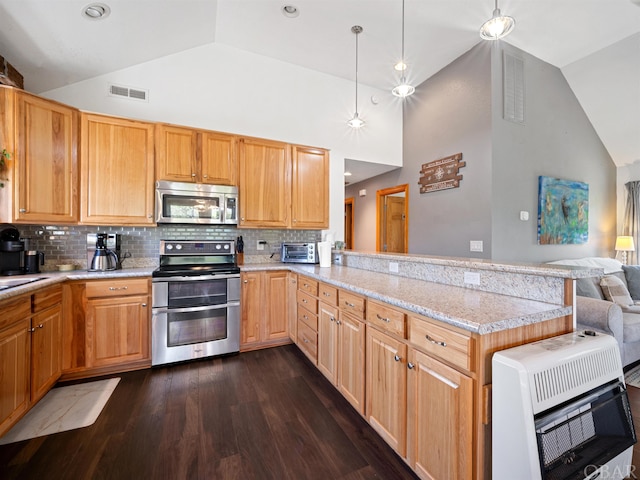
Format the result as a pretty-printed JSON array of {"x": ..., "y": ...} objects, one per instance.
[{"x": 68, "y": 244}]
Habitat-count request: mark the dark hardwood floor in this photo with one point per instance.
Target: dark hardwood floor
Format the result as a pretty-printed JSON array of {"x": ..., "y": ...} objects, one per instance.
[{"x": 267, "y": 414}]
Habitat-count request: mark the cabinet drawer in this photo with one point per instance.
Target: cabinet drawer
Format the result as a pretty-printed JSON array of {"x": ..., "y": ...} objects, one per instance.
[
  {"x": 308, "y": 340},
  {"x": 352, "y": 303},
  {"x": 14, "y": 310},
  {"x": 308, "y": 285},
  {"x": 328, "y": 294},
  {"x": 46, "y": 298},
  {"x": 307, "y": 301},
  {"x": 311, "y": 319},
  {"x": 456, "y": 348},
  {"x": 117, "y": 288},
  {"x": 387, "y": 318}
]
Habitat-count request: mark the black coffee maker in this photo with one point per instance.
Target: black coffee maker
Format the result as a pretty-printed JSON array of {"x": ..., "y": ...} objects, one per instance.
[{"x": 11, "y": 251}]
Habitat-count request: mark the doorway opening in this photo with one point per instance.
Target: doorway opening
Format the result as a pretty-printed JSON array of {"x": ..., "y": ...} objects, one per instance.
[
  {"x": 392, "y": 219},
  {"x": 348, "y": 223}
]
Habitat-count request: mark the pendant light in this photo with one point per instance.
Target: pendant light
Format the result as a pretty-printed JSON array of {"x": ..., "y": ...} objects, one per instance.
[
  {"x": 497, "y": 26},
  {"x": 356, "y": 121},
  {"x": 403, "y": 89}
]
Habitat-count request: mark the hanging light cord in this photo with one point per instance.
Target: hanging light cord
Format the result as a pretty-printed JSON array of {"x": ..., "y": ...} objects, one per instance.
[
  {"x": 357, "y": 32},
  {"x": 404, "y": 65}
]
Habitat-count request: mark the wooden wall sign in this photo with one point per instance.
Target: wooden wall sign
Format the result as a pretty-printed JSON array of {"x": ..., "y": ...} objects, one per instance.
[{"x": 441, "y": 174}]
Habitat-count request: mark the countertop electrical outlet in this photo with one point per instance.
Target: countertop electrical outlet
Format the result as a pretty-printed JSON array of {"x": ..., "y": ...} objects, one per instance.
[{"x": 472, "y": 278}]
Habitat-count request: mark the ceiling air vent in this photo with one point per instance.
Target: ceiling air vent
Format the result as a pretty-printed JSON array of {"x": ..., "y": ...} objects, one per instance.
[{"x": 126, "y": 92}]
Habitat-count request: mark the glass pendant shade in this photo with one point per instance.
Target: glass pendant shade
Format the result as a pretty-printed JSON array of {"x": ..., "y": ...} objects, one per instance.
[
  {"x": 356, "y": 121},
  {"x": 404, "y": 89},
  {"x": 497, "y": 27}
]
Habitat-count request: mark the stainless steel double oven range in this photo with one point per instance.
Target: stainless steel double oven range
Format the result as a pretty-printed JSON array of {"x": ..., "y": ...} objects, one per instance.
[{"x": 196, "y": 301}]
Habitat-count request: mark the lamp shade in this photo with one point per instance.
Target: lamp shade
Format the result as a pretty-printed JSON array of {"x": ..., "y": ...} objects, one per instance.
[{"x": 624, "y": 244}]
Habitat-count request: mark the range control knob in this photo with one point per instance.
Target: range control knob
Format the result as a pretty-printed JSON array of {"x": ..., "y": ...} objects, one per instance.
[
  {"x": 178, "y": 247},
  {"x": 168, "y": 246},
  {"x": 218, "y": 246},
  {"x": 226, "y": 246}
]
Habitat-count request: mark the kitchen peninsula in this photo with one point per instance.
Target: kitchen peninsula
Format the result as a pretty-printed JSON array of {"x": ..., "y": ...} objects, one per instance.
[{"x": 399, "y": 333}]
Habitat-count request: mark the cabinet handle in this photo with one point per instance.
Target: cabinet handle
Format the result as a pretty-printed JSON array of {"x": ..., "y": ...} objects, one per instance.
[
  {"x": 338, "y": 322},
  {"x": 144, "y": 304},
  {"x": 437, "y": 342},
  {"x": 397, "y": 358},
  {"x": 246, "y": 281},
  {"x": 410, "y": 366},
  {"x": 304, "y": 300},
  {"x": 382, "y": 318},
  {"x": 305, "y": 317},
  {"x": 332, "y": 319},
  {"x": 31, "y": 330},
  {"x": 41, "y": 326},
  {"x": 305, "y": 340},
  {"x": 193, "y": 174},
  {"x": 23, "y": 210},
  {"x": 349, "y": 304},
  {"x": 118, "y": 288},
  {"x": 205, "y": 176},
  {"x": 326, "y": 294}
]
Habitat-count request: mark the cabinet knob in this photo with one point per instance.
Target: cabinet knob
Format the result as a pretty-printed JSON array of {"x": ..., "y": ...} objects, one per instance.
[
  {"x": 193, "y": 174},
  {"x": 31, "y": 330},
  {"x": 23, "y": 210},
  {"x": 397, "y": 358},
  {"x": 144, "y": 304},
  {"x": 205, "y": 176},
  {"x": 338, "y": 322},
  {"x": 410, "y": 366},
  {"x": 246, "y": 281},
  {"x": 332, "y": 319},
  {"x": 41, "y": 326}
]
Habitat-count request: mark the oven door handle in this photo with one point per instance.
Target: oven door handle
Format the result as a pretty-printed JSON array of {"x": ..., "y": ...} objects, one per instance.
[
  {"x": 194, "y": 278},
  {"x": 157, "y": 310}
]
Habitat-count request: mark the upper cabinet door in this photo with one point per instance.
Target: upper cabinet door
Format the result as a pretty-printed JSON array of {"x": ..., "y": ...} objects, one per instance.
[
  {"x": 117, "y": 171},
  {"x": 264, "y": 183},
  {"x": 46, "y": 175},
  {"x": 310, "y": 188},
  {"x": 219, "y": 165},
  {"x": 176, "y": 152}
]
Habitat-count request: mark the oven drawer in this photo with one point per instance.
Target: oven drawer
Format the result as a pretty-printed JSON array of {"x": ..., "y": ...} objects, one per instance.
[
  {"x": 442, "y": 342},
  {"x": 307, "y": 301},
  {"x": 117, "y": 288}
]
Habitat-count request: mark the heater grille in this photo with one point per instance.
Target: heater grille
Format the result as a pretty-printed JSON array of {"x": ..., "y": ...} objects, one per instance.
[
  {"x": 560, "y": 382},
  {"x": 133, "y": 93}
]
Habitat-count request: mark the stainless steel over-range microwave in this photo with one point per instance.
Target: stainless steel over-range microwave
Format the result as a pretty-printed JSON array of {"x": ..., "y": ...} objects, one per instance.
[{"x": 179, "y": 202}]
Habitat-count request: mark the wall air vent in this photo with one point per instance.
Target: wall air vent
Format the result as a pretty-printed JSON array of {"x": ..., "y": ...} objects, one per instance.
[
  {"x": 513, "y": 88},
  {"x": 127, "y": 92}
]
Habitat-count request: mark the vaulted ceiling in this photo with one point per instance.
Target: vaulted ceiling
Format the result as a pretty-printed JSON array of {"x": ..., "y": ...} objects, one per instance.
[{"x": 596, "y": 43}]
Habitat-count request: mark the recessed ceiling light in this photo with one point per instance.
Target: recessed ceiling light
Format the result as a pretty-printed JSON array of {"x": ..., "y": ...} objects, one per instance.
[
  {"x": 290, "y": 11},
  {"x": 96, "y": 11}
]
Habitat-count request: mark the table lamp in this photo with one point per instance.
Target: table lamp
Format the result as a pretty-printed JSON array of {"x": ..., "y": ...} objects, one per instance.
[{"x": 624, "y": 244}]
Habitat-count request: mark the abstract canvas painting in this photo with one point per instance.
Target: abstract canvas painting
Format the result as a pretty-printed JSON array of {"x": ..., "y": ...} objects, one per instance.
[{"x": 563, "y": 211}]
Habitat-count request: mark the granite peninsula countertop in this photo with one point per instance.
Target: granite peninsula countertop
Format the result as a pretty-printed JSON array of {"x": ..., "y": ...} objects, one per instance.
[{"x": 472, "y": 310}]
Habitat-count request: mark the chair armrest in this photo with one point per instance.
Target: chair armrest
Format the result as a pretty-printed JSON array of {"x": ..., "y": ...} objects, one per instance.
[{"x": 601, "y": 315}]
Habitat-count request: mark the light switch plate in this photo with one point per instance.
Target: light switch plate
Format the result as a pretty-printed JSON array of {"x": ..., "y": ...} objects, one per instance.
[{"x": 524, "y": 216}]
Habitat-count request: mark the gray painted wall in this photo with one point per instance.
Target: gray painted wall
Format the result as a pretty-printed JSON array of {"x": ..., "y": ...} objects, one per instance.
[{"x": 460, "y": 110}]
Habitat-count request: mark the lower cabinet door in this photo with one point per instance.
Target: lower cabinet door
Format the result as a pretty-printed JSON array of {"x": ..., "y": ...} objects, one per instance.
[
  {"x": 328, "y": 341},
  {"x": 387, "y": 388},
  {"x": 14, "y": 378},
  {"x": 440, "y": 419},
  {"x": 46, "y": 351},
  {"x": 117, "y": 330},
  {"x": 351, "y": 348}
]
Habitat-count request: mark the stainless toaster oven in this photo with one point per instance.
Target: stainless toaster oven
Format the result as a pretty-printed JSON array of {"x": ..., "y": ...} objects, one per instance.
[{"x": 299, "y": 253}]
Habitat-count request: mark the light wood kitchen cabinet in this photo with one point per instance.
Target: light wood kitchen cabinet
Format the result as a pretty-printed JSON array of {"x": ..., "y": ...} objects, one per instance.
[
  {"x": 439, "y": 419},
  {"x": 291, "y": 306},
  {"x": 15, "y": 354},
  {"x": 386, "y": 390},
  {"x": 264, "y": 319},
  {"x": 310, "y": 188},
  {"x": 195, "y": 156},
  {"x": 41, "y": 179},
  {"x": 46, "y": 341},
  {"x": 307, "y": 314},
  {"x": 106, "y": 329},
  {"x": 264, "y": 184},
  {"x": 117, "y": 174},
  {"x": 30, "y": 351},
  {"x": 283, "y": 186},
  {"x": 341, "y": 347}
]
